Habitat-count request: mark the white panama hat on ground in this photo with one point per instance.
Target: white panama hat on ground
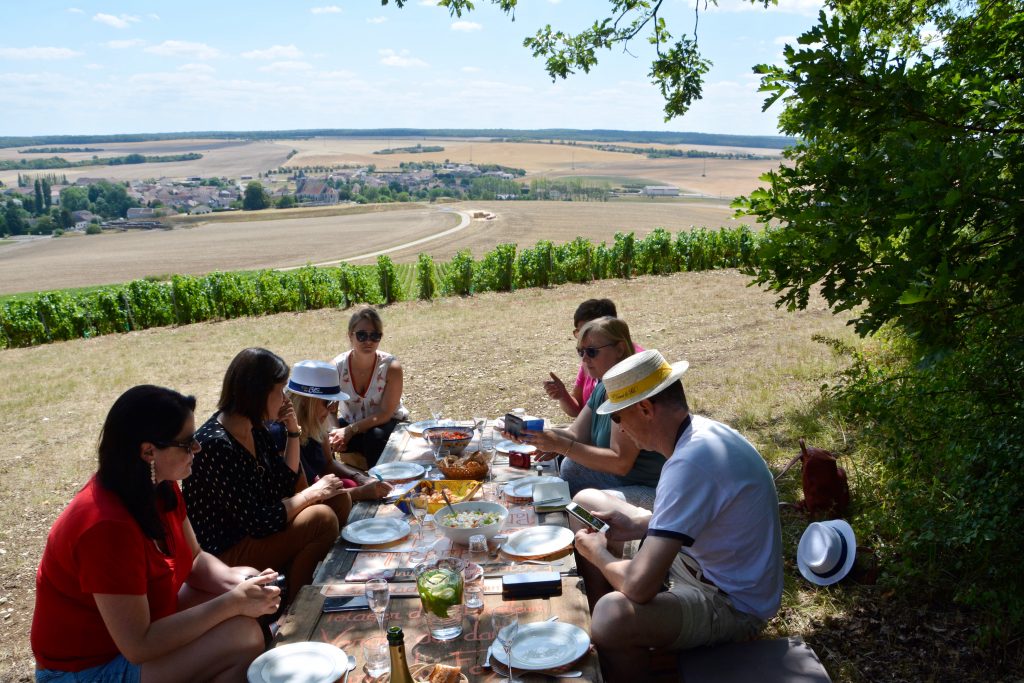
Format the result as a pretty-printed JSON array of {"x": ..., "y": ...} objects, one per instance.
[
  {"x": 637, "y": 377},
  {"x": 318, "y": 379},
  {"x": 826, "y": 551}
]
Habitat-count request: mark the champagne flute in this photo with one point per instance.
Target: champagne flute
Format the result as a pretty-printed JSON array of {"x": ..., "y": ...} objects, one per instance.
[
  {"x": 505, "y": 620},
  {"x": 378, "y": 594},
  {"x": 480, "y": 423},
  {"x": 436, "y": 409}
]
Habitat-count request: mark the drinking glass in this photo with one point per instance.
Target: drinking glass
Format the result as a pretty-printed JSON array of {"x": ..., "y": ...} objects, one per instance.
[
  {"x": 378, "y": 594},
  {"x": 376, "y": 655},
  {"x": 480, "y": 423},
  {"x": 440, "y": 585},
  {"x": 505, "y": 620},
  {"x": 436, "y": 408}
]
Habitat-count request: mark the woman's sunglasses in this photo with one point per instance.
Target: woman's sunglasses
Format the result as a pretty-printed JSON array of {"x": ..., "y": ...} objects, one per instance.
[
  {"x": 591, "y": 351},
  {"x": 363, "y": 335}
]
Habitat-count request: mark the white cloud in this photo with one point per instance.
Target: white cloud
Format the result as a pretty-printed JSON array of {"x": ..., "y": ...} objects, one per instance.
[
  {"x": 376, "y": 20},
  {"x": 287, "y": 66},
  {"x": 400, "y": 59},
  {"x": 555, "y": 2},
  {"x": 93, "y": 67},
  {"x": 429, "y": 3},
  {"x": 123, "y": 44},
  {"x": 329, "y": 9},
  {"x": 784, "y": 40},
  {"x": 181, "y": 48},
  {"x": 37, "y": 53},
  {"x": 471, "y": 69},
  {"x": 75, "y": 10},
  {"x": 154, "y": 17},
  {"x": 466, "y": 26},
  {"x": 123, "y": 21},
  {"x": 194, "y": 68},
  {"x": 274, "y": 52}
]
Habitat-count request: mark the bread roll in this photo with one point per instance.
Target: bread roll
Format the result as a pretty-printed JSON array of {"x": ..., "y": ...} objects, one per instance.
[{"x": 445, "y": 674}]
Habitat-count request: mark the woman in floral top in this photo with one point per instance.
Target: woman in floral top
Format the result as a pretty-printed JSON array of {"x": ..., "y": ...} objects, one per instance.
[
  {"x": 373, "y": 380},
  {"x": 248, "y": 501}
]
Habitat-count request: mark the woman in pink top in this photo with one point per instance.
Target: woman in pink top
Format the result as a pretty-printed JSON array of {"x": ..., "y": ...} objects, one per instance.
[{"x": 572, "y": 402}]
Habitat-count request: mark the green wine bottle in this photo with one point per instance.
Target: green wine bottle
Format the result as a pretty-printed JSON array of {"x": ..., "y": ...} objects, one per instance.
[{"x": 399, "y": 665}]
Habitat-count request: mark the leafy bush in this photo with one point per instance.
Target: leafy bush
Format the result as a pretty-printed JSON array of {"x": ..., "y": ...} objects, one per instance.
[
  {"x": 318, "y": 288},
  {"x": 387, "y": 279},
  {"x": 150, "y": 303},
  {"x": 191, "y": 302},
  {"x": 535, "y": 267},
  {"x": 357, "y": 285},
  {"x": 949, "y": 437},
  {"x": 93, "y": 229},
  {"x": 496, "y": 273},
  {"x": 21, "y": 324},
  {"x": 575, "y": 260},
  {"x": 233, "y": 294},
  {"x": 425, "y": 282},
  {"x": 623, "y": 254},
  {"x": 109, "y": 311},
  {"x": 459, "y": 278},
  {"x": 655, "y": 255}
]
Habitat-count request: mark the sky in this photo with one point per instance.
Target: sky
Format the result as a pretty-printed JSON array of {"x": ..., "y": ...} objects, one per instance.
[{"x": 120, "y": 66}]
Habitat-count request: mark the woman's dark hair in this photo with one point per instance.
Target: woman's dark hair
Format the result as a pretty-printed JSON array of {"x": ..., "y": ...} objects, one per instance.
[
  {"x": 591, "y": 309},
  {"x": 145, "y": 413},
  {"x": 249, "y": 381},
  {"x": 368, "y": 313}
]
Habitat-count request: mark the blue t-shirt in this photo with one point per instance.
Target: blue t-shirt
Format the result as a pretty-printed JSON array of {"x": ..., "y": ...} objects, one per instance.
[{"x": 647, "y": 469}]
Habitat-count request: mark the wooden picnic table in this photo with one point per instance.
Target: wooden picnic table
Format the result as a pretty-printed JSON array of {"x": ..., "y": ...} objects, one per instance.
[{"x": 304, "y": 620}]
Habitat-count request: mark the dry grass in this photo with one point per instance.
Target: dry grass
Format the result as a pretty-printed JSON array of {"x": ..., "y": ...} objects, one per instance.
[
  {"x": 320, "y": 235},
  {"x": 751, "y": 365}
]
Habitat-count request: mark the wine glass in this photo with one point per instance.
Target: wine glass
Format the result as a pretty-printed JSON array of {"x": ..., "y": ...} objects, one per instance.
[
  {"x": 378, "y": 594},
  {"x": 480, "y": 423},
  {"x": 505, "y": 620},
  {"x": 436, "y": 409}
]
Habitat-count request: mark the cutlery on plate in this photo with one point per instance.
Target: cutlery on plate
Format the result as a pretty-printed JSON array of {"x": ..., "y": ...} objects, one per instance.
[{"x": 374, "y": 550}]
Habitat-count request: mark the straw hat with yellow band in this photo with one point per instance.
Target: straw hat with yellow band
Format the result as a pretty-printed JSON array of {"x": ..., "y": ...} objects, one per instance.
[{"x": 637, "y": 377}]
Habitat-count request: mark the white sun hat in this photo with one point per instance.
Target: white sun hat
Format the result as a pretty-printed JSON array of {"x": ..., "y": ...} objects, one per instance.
[
  {"x": 826, "y": 551},
  {"x": 638, "y": 377},
  {"x": 318, "y": 379}
]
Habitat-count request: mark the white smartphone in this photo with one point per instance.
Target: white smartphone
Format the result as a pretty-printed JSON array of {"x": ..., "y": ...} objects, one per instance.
[{"x": 584, "y": 515}]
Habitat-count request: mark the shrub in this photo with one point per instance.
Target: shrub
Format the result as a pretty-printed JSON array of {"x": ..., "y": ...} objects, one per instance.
[
  {"x": 425, "y": 282},
  {"x": 459, "y": 278},
  {"x": 535, "y": 266},
  {"x": 191, "y": 301},
  {"x": 151, "y": 303},
  {"x": 496, "y": 273},
  {"x": 387, "y": 280},
  {"x": 948, "y": 432},
  {"x": 93, "y": 229},
  {"x": 21, "y": 325},
  {"x": 623, "y": 254},
  {"x": 655, "y": 255},
  {"x": 575, "y": 260}
]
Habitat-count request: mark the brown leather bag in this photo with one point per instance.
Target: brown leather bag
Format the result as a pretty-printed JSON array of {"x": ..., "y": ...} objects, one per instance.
[{"x": 826, "y": 491}]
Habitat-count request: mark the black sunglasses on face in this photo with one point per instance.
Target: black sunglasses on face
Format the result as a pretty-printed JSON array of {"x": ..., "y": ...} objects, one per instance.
[
  {"x": 363, "y": 335},
  {"x": 616, "y": 418},
  {"x": 590, "y": 351},
  {"x": 189, "y": 446}
]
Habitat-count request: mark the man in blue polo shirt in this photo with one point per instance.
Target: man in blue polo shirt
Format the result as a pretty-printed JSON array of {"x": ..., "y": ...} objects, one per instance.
[{"x": 713, "y": 538}]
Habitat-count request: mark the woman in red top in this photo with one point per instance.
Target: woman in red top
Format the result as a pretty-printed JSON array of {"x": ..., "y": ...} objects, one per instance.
[{"x": 123, "y": 590}]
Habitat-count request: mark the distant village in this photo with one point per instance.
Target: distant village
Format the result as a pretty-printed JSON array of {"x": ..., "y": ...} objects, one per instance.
[{"x": 49, "y": 204}]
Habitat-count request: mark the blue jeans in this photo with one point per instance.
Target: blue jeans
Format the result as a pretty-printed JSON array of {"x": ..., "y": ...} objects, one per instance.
[{"x": 117, "y": 670}]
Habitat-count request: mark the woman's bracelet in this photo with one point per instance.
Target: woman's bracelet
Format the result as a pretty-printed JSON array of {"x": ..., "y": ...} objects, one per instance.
[{"x": 569, "y": 447}]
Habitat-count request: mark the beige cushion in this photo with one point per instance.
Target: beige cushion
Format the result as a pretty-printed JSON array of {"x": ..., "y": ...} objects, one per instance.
[
  {"x": 783, "y": 660},
  {"x": 352, "y": 458}
]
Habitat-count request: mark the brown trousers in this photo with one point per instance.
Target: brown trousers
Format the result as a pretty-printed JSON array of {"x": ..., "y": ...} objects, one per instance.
[{"x": 297, "y": 549}]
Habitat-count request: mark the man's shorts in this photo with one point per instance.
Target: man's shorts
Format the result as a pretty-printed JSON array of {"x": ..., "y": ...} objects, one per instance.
[{"x": 705, "y": 614}]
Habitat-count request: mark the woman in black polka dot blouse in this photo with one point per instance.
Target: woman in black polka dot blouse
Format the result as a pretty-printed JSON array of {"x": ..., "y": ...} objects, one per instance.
[{"x": 249, "y": 502}]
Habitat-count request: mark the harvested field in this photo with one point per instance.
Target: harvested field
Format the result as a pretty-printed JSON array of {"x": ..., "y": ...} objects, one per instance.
[
  {"x": 242, "y": 241},
  {"x": 230, "y": 158},
  {"x": 719, "y": 178}
]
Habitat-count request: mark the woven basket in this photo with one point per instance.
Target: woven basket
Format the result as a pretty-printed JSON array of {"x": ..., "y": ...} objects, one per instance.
[{"x": 468, "y": 470}]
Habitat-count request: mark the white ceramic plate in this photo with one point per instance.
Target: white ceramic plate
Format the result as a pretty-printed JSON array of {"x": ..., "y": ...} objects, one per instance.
[
  {"x": 398, "y": 471},
  {"x": 536, "y": 541},
  {"x": 523, "y": 488},
  {"x": 416, "y": 428},
  {"x": 545, "y": 645},
  {"x": 299, "y": 663},
  {"x": 376, "y": 530},
  {"x": 507, "y": 446}
]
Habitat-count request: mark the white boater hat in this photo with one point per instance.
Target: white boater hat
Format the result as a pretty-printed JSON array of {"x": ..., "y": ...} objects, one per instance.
[
  {"x": 318, "y": 379},
  {"x": 826, "y": 551},
  {"x": 637, "y": 377}
]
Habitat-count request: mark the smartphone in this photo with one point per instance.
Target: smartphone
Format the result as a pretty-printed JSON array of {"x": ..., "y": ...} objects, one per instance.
[
  {"x": 514, "y": 425},
  {"x": 345, "y": 603},
  {"x": 584, "y": 515}
]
